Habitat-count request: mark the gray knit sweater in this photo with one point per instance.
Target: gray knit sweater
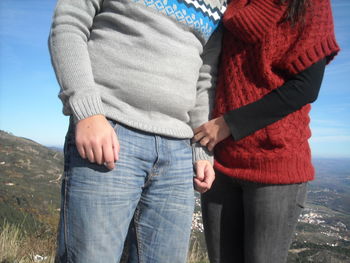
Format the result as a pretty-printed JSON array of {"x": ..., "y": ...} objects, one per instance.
[{"x": 144, "y": 63}]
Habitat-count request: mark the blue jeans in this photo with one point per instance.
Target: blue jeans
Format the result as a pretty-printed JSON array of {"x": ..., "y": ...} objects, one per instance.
[
  {"x": 248, "y": 222},
  {"x": 152, "y": 185}
]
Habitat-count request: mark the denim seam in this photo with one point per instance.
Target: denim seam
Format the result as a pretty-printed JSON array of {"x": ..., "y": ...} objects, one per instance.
[
  {"x": 65, "y": 214},
  {"x": 136, "y": 220},
  {"x": 300, "y": 204},
  {"x": 291, "y": 218},
  {"x": 151, "y": 174},
  {"x": 156, "y": 164},
  {"x": 65, "y": 210},
  {"x": 154, "y": 170}
]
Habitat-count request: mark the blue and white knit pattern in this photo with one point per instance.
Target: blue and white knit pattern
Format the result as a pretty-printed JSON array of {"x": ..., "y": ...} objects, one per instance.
[{"x": 195, "y": 13}]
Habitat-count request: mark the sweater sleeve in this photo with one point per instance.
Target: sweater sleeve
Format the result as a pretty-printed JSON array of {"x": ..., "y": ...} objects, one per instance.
[
  {"x": 205, "y": 90},
  {"x": 300, "y": 90},
  {"x": 252, "y": 20},
  {"x": 70, "y": 32}
]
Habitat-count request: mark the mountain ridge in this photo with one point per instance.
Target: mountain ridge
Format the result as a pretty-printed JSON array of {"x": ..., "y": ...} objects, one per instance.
[{"x": 30, "y": 176}]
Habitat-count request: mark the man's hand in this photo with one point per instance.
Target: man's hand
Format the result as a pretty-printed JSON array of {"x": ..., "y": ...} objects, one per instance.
[
  {"x": 205, "y": 176},
  {"x": 211, "y": 133},
  {"x": 96, "y": 140}
]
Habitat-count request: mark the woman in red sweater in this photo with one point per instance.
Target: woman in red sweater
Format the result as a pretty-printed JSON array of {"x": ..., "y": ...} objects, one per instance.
[{"x": 273, "y": 59}]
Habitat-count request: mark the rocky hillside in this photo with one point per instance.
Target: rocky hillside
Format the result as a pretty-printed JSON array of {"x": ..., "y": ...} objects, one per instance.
[
  {"x": 30, "y": 184},
  {"x": 29, "y": 181}
]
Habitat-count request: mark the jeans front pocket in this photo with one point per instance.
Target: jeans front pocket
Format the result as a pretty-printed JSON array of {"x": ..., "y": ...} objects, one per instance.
[{"x": 113, "y": 123}]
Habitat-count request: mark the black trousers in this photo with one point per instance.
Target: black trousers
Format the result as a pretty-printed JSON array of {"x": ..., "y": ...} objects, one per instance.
[{"x": 246, "y": 222}]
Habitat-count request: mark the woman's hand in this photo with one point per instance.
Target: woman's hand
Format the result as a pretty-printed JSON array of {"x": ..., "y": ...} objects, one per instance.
[{"x": 211, "y": 133}]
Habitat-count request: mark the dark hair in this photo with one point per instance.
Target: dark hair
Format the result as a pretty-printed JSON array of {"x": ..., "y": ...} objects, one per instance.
[{"x": 295, "y": 11}]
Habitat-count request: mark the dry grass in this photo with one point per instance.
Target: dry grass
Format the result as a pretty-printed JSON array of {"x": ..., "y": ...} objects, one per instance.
[
  {"x": 196, "y": 254},
  {"x": 19, "y": 247}
]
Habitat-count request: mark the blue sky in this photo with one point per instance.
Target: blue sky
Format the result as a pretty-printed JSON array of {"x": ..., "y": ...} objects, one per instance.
[{"x": 29, "y": 106}]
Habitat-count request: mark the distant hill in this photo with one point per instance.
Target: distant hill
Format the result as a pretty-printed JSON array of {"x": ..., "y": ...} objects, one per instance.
[
  {"x": 30, "y": 184},
  {"x": 331, "y": 187},
  {"x": 29, "y": 181},
  {"x": 323, "y": 231},
  {"x": 55, "y": 148}
]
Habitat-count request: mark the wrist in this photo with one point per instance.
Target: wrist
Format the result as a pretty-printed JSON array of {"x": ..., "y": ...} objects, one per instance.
[{"x": 201, "y": 153}]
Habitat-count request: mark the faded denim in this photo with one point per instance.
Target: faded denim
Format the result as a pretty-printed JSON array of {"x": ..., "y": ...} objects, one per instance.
[{"x": 151, "y": 184}]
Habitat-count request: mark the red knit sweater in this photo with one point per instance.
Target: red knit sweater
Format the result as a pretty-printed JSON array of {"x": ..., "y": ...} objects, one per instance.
[{"x": 259, "y": 55}]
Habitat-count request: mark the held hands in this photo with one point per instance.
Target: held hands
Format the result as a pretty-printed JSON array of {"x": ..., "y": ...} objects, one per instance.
[
  {"x": 211, "y": 133},
  {"x": 205, "y": 176},
  {"x": 208, "y": 135},
  {"x": 97, "y": 141}
]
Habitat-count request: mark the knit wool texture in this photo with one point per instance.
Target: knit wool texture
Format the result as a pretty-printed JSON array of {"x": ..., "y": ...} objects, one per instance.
[
  {"x": 259, "y": 54},
  {"x": 150, "y": 65}
]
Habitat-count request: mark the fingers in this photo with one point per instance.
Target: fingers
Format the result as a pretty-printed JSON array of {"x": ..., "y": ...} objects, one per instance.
[
  {"x": 111, "y": 151},
  {"x": 205, "y": 141},
  {"x": 203, "y": 136},
  {"x": 210, "y": 176},
  {"x": 205, "y": 176},
  {"x": 204, "y": 185},
  {"x": 199, "y": 167},
  {"x": 81, "y": 150},
  {"x": 211, "y": 146},
  {"x": 108, "y": 156},
  {"x": 198, "y": 129},
  {"x": 115, "y": 146},
  {"x": 96, "y": 140},
  {"x": 202, "y": 132},
  {"x": 200, "y": 186},
  {"x": 211, "y": 133},
  {"x": 89, "y": 153},
  {"x": 98, "y": 152},
  {"x": 198, "y": 135},
  {"x": 208, "y": 142}
]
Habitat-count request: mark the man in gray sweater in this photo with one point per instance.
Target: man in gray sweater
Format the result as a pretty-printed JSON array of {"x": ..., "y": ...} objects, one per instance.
[{"x": 136, "y": 77}]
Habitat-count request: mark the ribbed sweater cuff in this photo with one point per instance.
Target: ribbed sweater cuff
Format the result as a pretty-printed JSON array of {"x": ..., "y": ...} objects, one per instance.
[
  {"x": 283, "y": 169},
  {"x": 328, "y": 47},
  {"x": 86, "y": 107},
  {"x": 201, "y": 153}
]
